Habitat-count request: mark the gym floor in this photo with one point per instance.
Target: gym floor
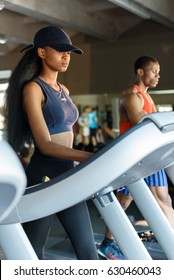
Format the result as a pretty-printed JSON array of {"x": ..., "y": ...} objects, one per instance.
[{"x": 59, "y": 246}]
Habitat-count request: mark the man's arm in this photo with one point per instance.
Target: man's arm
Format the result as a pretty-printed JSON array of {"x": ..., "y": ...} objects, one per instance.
[{"x": 133, "y": 105}]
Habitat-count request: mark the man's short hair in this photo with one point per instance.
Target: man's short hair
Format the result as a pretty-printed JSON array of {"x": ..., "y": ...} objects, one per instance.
[{"x": 143, "y": 61}]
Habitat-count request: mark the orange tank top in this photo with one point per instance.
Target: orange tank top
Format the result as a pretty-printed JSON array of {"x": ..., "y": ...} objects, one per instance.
[{"x": 149, "y": 107}]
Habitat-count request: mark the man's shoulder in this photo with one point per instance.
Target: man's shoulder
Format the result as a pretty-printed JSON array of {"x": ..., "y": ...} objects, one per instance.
[{"x": 129, "y": 92}]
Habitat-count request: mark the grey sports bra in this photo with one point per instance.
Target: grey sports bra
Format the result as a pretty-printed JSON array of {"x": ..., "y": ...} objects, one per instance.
[{"x": 59, "y": 111}]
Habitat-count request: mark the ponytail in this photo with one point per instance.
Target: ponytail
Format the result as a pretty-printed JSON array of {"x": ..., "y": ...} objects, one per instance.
[{"x": 18, "y": 132}]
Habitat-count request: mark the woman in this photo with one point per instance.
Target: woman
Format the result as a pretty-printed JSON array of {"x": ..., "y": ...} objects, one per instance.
[{"x": 39, "y": 109}]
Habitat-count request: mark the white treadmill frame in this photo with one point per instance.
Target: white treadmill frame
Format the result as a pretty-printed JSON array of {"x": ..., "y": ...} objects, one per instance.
[{"x": 141, "y": 151}]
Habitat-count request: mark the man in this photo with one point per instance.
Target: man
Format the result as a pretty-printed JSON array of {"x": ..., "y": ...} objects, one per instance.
[{"x": 134, "y": 103}]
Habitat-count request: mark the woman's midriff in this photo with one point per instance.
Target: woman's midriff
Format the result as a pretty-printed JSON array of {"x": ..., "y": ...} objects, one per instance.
[{"x": 64, "y": 138}]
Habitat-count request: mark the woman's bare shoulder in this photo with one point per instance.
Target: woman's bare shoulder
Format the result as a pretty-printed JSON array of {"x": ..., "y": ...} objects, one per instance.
[
  {"x": 31, "y": 85},
  {"x": 31, "y": 88},
  {"x": 32, "y": 92}
]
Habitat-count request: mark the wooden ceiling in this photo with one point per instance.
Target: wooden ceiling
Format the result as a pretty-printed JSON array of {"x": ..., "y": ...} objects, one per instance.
[{"x": 105, "y": 20}]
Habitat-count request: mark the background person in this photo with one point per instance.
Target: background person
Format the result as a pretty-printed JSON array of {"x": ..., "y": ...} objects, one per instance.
[
  {"x": 93, "y": 126},
  {"x": 83, "y": 121},
  {"x": 135, "y": 102}
]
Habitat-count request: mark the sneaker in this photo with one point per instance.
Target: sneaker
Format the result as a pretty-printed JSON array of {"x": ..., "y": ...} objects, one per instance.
[{"x": 110, "y": 251}]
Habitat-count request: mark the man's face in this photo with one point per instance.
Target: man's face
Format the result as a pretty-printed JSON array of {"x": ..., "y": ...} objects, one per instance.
[{"x": 151, "y": 75}]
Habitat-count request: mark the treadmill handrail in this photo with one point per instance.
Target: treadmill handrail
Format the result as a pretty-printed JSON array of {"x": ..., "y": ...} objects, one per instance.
[{"x": 110, "y": 165}]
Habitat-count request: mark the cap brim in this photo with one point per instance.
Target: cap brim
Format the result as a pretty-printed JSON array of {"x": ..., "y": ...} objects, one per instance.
[{"x": 66, "y": 48}]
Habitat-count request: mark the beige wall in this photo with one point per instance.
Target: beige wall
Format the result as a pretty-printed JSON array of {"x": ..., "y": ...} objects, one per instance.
[
  {"x": 77, "y": 78},
  {"x": 112, "y": 69},
  {"x": 107, "y": 68}
]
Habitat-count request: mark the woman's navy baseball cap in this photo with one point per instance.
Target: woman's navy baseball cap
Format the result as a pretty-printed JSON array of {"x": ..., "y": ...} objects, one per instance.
[{"x": 55, "y": 38}]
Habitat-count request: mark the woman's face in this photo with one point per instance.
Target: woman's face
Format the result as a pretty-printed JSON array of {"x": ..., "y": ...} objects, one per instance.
[{"x": 56, "y": 61}]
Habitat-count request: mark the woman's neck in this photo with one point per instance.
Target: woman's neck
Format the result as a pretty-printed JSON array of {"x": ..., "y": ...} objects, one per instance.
[{"x": 49, "y": 78}]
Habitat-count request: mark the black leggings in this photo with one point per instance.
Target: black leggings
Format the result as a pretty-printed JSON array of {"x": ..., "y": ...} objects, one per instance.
[{"x": 75, "y": 220}]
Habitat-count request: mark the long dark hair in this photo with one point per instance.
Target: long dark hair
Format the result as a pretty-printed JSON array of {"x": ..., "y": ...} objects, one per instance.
[{"x": 18, "y": 132}]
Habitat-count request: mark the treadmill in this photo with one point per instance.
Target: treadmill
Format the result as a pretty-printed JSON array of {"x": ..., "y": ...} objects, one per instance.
[{"x": 139, "y": 152}]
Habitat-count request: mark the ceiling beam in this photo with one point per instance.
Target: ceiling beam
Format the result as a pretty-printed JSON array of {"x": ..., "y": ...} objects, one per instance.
[
  {"x": 72, "y": 14},
  {"x": 100, "y": 6},
  {"x": 157, "y": 10},
  {"x": 15, "y": 28},
  {"x": 131, "y": 7},
  {"x": 163, "y": 8}
]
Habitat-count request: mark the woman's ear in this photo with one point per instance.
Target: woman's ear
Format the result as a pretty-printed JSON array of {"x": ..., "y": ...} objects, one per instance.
[{"x": 41, "y": 52}]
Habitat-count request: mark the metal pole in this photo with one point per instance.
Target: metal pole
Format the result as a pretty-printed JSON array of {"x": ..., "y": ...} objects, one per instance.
[
  {"x": 15, "y": 244},
  {"x": 121, "y": 227},
  {"x": 155, "y": 217}
]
